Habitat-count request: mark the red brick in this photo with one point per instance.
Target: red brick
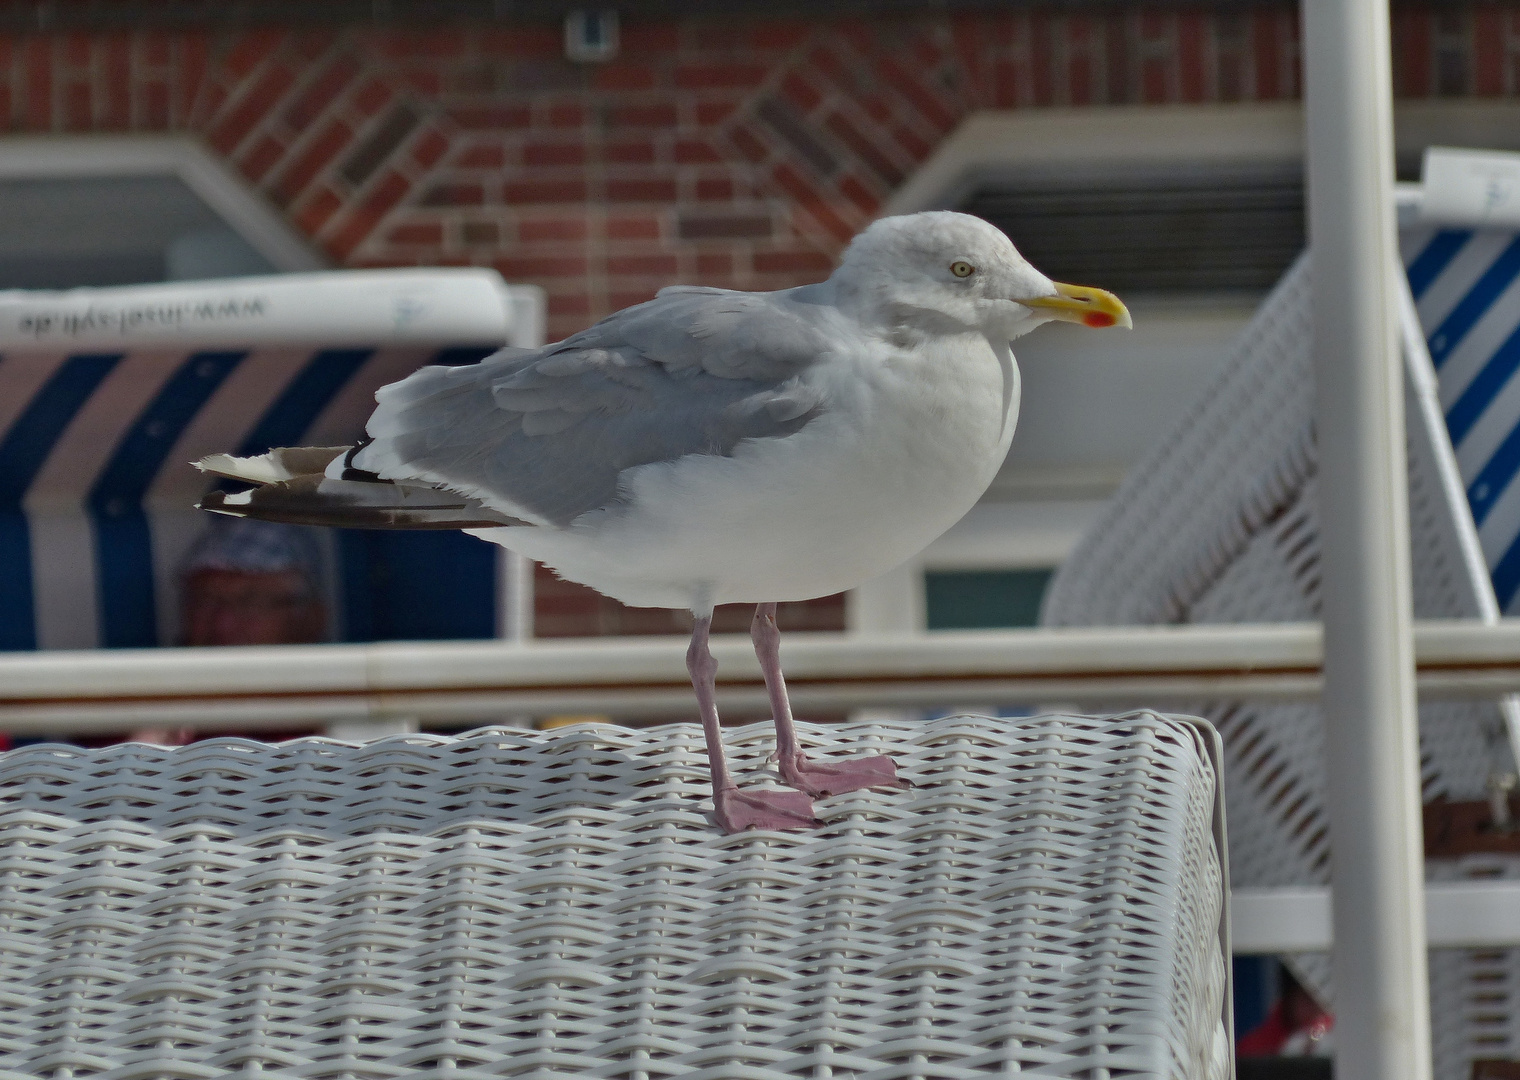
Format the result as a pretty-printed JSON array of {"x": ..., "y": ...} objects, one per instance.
[
  {"x": 75, "y": 50},
  {"x": 153, "y": 47},
  {"x": 191, "y": 84},
  {"x": 622, "y": 77},
  {"x": 534, "y": 230},
  {"x": 715, "y": 189},
  {"x": 865, "y": 148},
  {"x": 429, "y": 149},
  {"x": 1488, "y": 51},
  {"x": 311, "y": 44},
  {"x": 39, "y": 84},
  {"x": 693, "y": 151},
  {"x": 320, "y": 92},
  {"x": 455, "y": 194},
  {"x": 651, "y": 190},
  {"x": 633, "y": 228},
  {"x": 651, "y": 37},
  {"x": 252, "y": 107},
  {"x": 261, "y": 158},
  {"x": 1005, "y": 84},
  {"x": 116, "y": 77},
  {"x": 480, "y": 233},
  {"x": 565, "y": 115},
  {"x": 800, "y": 92},
  {"x": 1079, "y": 80},
  {"x": 1264, "y": 42},
  {"x": 916, "y": 147},
  {"x": 550, "y": 154},
  {"x": 793, "y": 262},
  {"x": 490, "y": 117},
  {"x": 544, "y": 191},
  {"x": 713, "y": 76},
  {"x": 568, "y": 304},
  {"x": 417, "y": 43},
  {"x": 626, "y": 298},
  {"x": 153, "y": 105},
  {"x": 418, "y": 232},
  {"x": 252, "y": 48},
  {"x": 321, "y": 206},
  {"x": 480, "y": 156},
  {"x": 1153, "y": 80},
  {"x": 642, "y": 264},
  {"x": 76, "y": 106},
  {"x": 630, "y": 152},
  {"x": 711, "y": 264},
  {"x": 1041, "y": 77},
  {"x": 748, "y": 143},
  {"x": 711, "y": 113},
  {"x": 373, "y": 96},
  {"x": 522, "y": 41},
  {"x": 779, "y": 35},
  {"x": 1411, "y": 51},
  {"x": 810, "y": 200},
  {"x": 531, "y": 267},
  {"x": 660, "y": 115},
  {"x": 383, "y": 196},
  {"x": 1191, "y": 28},
  {"x": 313, "y": 158},
  {"x": 857, "y": 193}
]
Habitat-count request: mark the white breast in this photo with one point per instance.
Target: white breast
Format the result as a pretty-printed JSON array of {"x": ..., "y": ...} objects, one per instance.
[{"x": 907, "y": 445}]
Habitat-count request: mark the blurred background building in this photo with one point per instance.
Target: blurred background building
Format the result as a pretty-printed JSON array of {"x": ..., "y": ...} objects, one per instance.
[
  {"x": 602, "y": 153},
  {"x": 1147, "y": 147}
]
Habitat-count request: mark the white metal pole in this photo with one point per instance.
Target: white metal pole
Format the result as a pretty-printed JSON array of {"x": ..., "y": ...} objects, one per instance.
[{"x": 1381, "y": 988}]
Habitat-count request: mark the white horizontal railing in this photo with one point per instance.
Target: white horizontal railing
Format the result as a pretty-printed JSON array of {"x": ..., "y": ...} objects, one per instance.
[
  {"x": 301, "y": 686},
  {"x": 1458, "y": 915}
]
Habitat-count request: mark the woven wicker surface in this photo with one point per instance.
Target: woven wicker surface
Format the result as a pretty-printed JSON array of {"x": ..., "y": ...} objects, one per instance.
[{"x": 1046, "y": 899}]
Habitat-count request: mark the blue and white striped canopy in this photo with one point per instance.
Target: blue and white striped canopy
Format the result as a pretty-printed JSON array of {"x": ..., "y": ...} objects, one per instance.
[
  {"x": 96, "y": 489},
  {"x": 1466, "y": 287}
]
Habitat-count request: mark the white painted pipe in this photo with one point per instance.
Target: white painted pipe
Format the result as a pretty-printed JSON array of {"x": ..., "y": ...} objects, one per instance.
[
  {"x": 1372, "y": 743},
  {"x": 1458, "y": 915},
  {"x": 295, "y": 687}
]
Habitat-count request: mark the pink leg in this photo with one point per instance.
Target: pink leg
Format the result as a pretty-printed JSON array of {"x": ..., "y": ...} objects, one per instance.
[
  {"x": 736, "y": 810},
  {"x": 814, "y": 777}
]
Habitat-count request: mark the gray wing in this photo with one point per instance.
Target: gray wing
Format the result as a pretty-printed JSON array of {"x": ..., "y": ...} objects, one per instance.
[{"x": 549, "y": 431}]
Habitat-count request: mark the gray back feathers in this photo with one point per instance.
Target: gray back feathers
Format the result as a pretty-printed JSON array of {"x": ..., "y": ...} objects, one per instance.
[{"x": 694, "y": 371}]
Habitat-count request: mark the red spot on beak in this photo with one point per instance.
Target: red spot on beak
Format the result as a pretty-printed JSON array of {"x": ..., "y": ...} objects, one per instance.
[{"x": 1098, "y": 319}]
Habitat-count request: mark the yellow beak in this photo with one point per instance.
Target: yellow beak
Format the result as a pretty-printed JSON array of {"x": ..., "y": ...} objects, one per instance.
[{"x": 1080, "y": 304}]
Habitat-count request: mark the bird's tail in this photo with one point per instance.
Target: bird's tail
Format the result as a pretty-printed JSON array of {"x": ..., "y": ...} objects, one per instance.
[{"x": 318, "y": 485}]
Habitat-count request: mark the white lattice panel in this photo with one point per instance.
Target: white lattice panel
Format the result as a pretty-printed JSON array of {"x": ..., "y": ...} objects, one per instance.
[
  {"x": 1047, "y": 898},
  {"x": 1220, "y": 524}
]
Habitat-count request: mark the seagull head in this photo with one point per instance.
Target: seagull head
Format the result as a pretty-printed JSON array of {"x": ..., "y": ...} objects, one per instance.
[{"x": 953, "y": 271}]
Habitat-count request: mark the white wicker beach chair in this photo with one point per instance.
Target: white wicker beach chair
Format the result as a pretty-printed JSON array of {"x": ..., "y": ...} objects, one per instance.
[
  {"x": 1047, "y": 899},
  {"x": 1220, "y": 524}
]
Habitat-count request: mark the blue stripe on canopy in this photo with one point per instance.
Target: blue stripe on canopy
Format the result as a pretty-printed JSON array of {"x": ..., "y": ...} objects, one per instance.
[
  {"x": 123, "y": 542},
  {"x": 1480, "y": 393},
  {"x": 303, "y": 400},
  {"x": 1436, "y": 257},
  {"x": 23, "y": 450},
  {"x": 1475, "y": 304}
]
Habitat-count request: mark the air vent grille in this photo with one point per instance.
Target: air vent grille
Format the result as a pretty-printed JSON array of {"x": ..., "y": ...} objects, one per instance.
[{"x": 1178, "y": 235}]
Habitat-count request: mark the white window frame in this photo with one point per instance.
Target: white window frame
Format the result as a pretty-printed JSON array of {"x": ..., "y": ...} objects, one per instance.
[{"x": 231, "y": 197}]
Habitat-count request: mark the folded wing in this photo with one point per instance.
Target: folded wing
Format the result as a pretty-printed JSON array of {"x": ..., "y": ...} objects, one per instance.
[{"x": 544, "y": 435}]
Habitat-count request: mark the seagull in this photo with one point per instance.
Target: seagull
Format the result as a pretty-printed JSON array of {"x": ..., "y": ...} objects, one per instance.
[{"x": 714, "y": 447}]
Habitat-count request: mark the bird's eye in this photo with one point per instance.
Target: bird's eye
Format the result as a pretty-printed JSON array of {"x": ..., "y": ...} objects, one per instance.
[{"x": 961, "y": 268}]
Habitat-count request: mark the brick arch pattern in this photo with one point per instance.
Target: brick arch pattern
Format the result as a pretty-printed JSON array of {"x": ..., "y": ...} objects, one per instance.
[{"x": 741, "y": 154}]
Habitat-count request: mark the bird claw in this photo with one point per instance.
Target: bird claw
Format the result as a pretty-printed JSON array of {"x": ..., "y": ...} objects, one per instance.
[
  {"x": 819, "y": 778},
  {"x": 738, "y": 810}
]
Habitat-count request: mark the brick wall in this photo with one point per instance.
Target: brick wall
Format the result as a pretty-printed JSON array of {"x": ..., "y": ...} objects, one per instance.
[
  {"x": 727, "y": 152},
  {"x": 741, "y": 154}
]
